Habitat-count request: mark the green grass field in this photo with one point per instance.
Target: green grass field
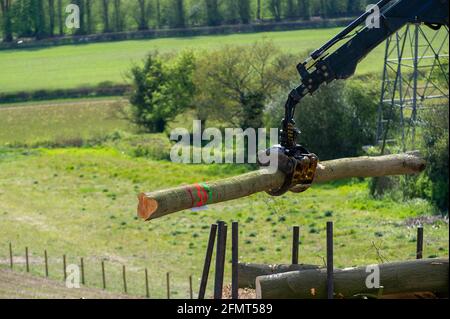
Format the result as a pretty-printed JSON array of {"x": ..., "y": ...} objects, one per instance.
[
  {"x": 59, "y": 122},
  {"x": 90, "y": 64},
  {"x": 82, "y": 202}
]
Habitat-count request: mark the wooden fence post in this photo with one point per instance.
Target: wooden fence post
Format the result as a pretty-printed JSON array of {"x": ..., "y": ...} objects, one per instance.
[
  {"x": 83, "y": 280},
  {"x": 191, "y": 293},
  {"x": 207, "y": 264},
  {"x": 330, "y": 267},
  {"x": 168, "y": 285},
  {"x": 147, "y": 290},
  {"x": 46, "y": 263},
  {"x": 220, "y": 259},
  {"x": 103, "y": 275},
  {"x": 234, "y": 260},
  {"x": 65, "y": 267},
  {"x": 11, "y": 261},
  {"x": 124, "y": 274},
  {"x": 295, "y": 243},
  {"x": 27, "y": 262},
  {"x": 419, "y": 249}
]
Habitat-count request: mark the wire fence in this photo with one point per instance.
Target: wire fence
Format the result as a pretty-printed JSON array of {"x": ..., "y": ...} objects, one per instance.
[{"x": 96, "y": 272}]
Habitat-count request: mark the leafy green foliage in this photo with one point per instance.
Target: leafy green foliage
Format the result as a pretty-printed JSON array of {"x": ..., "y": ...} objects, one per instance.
[
  {"x": 234, "y": 84},
  {"x": 161, "y": 90},
  {"x": 433, "y": 185}
]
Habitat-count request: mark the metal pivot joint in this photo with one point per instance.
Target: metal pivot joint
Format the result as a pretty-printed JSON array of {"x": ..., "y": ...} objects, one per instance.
[{"x": 298, "y": 165}]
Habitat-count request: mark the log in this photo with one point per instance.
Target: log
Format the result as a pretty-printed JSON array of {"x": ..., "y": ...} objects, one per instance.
[
  {"x": 424, "y": 275},
  {"x": 247, "y": 273},
  {"x": 161, "y": 203}
]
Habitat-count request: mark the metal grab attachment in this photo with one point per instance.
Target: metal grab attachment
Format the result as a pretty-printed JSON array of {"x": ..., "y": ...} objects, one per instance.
[{"x": 299, "y": 167}]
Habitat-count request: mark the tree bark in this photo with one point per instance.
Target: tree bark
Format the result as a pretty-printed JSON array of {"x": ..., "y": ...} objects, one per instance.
[
  {"x": 89, "y": 22},
  {"x": 5, "y": 6},
  {"x": 118, "y": 21},
  {"x": 258, "y": 10},
  {"x": 247, "y": 273},
  {"x": 51, "y": 14},
  {"x": 82, "y": 29},
  {"x": 143, "y": 17},
  {"x": 39, "y": 18},
  {"x": 158, "y": 14},
  {"x": 424, "y": 275},
  {"x": 160, "y": 203},
  {"x": 105, "y": 14},
  {"x": 60, "y": 18}
]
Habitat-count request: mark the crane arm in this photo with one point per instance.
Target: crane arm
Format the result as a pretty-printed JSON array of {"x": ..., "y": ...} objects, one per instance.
[{"x": 324, "y": 65}]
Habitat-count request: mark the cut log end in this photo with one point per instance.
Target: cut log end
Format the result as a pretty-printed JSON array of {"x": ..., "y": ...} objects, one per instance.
[{"x": 147, "y": 207}]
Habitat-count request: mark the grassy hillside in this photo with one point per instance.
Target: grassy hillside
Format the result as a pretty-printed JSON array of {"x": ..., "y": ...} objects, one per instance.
[
  {"x": 82, "y": 202},
  {"x": 90, "y": 64},
  {"x": 57, "y": 122}
]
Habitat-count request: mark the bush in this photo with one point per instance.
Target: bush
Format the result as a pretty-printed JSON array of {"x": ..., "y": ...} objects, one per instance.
[
  {"x": 433, "y": 185},
  {"x": 153, "y": 146}
]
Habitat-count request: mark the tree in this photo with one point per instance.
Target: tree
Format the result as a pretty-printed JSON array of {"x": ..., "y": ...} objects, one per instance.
[
  {"x": 232, "y": 11},
  {"x": 290, "y": 10},
  {"x": 158, "y": 14},
  {"x": 51, "y": 19},
  {"x": 354, "y": 7},
  {"x": 5, "y": 6},
  {"x": 81, "y": 5},
  {"x": 60, "y": 19},
  {"x": 143, "y": 15},
  {"x": 234, "y": 84},
  {"x": 258, "y": 10},
  {"x": 196, "y": 14},
  {"x": 25, "y": 25},
  {"x": 161, "y": 90},
  {"x": 39, "y": 21},
  {"x": 179, "y": 21},
  {"x": 333, "y": 7},
  {"x": 324, "y": 9},
  {"x": 213, "y": 17},
  {"x": 89, "y": 17},
  {"x": 118, "y": 16},
  {"x": 304, "y": 9},
  {"x": 105, "y": 16},
  {"x": 275, "y": 9},
  {"x": 244, "y": 11}
]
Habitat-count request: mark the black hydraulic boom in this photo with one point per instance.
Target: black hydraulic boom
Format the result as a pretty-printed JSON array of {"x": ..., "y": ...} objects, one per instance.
[{"x": 325, "y": 65}]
